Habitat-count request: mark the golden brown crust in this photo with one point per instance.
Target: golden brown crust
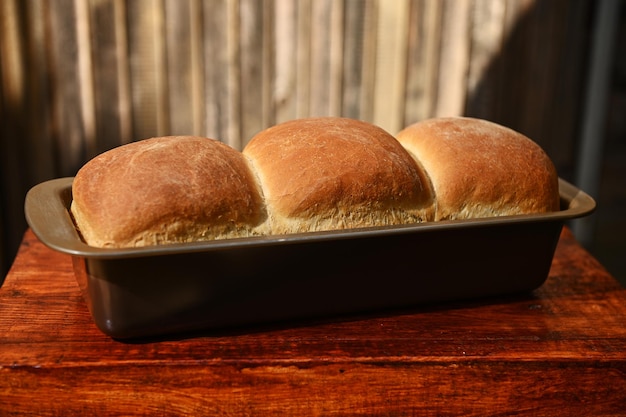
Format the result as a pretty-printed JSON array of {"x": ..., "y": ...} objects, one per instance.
[
  {"x": 165, "y": 190},
  {"x": 333, "y": 173},
  {"x": 479, "y": 169}
]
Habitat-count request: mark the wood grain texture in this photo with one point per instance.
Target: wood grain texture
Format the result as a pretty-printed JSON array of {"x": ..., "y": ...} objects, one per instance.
[
  {"x": 284, "y": 75},
  {"x": 303, "y": 58},
  {"x": 422, "y": 60},
  {"x": 389, "y": 90},
  {"x": 253, "y": 68},
  {"x": 559, "y": 351},
  {"x": 453, "y": 58},
  {"x": 216, "y": 70},
  {"x": 70, "y": 113},
  {"x": 181, "y": 45},
  {"x": 148, "y": 68},
  {"x": 111, "y": 72},
  {"x": 353, "y": 53}
]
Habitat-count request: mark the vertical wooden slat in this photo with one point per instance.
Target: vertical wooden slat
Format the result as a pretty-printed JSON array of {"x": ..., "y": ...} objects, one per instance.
[
  {"x": 233, "y": 65},
  {"x": 487, "y": 36},
  {"x": 12, "y": 48},
  {"x": 39, "y": 159},
  {"x": 183, "y": 32},
  {"x": 197, "y": 71},
  {"x": 593, "y": 135},
  {"x": 540, "y": 62},
  {"x": 147, "y": 68},
  {"x": 13, "y": 89},
  {"x": 303, "y": 59},
  {"x": 222, "y": 70},
  {"x": 320, "y": 38},
  {"x": 285, "y": 68},
  {"x": 326, "y": 39},
  {"x": 252, "y": 67},
  {"x": 562, "y": 131},
  {"x": 352, "y": 74},
  {"x": 391, "y": 64},
  {"x": 66, "y": 105},
  {"x": 179, "y": 49},
  {"x": 85, "y": 74},
  {"x": 337, "y": 35},
  {"x": 553, "y": 24},
  {"x": 12, "y": 101},
  {"x": 215, "y": 68},
  {"x": 513, "y": 62},
  {"x": 161, "y": 74},
  {"x": 368, "y": 94},
  {"x": 120, "y": 13},
  {"x": 268, "y": 116},
  {"x": 27, "y": 150},
  {"x": 110, "y": 74},
  {"x": 453, "y": 65},
  {"x": 422, "y": 60},
  {"x": 183, "y": 36}
]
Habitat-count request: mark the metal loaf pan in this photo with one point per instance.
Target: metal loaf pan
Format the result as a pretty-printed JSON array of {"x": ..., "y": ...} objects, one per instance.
[{"x": 160, "y": 290}]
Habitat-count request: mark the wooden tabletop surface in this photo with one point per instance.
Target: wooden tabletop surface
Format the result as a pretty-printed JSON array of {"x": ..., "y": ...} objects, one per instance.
[{"x": 559, "y": 351}]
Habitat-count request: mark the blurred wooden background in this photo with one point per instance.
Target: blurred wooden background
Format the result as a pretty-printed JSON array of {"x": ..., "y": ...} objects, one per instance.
[{"x": 79, "y": 77}]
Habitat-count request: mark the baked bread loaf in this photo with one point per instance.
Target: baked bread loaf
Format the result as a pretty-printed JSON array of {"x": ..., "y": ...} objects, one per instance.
[
  {"x": 479, "y": 168},
  {"x": 330, "y": 173},
  {"x": 311, "y": 174},
  {"x": 166, "y": 190}
]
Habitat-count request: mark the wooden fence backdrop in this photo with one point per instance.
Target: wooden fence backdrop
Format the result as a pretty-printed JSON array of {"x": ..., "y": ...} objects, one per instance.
[{"x": 78, "y": 77}]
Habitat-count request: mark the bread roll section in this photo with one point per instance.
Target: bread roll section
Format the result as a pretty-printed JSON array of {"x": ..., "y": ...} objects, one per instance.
[
  {"x": 166, "y": 190},
  {"x": 334, "y": 173},
  {"x": 314, "y": 174},
  {"x": 478, "y": 168}
]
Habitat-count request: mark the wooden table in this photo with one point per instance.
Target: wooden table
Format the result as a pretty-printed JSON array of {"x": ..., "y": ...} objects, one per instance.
[{"x": 559, "y": 351}]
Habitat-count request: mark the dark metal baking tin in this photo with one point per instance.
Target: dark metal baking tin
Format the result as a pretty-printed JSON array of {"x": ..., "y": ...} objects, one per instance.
[{"x": 159, "y": 290}]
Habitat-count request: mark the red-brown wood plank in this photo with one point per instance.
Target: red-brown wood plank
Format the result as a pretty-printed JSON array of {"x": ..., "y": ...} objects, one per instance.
[{"x": 559, "y": 351}]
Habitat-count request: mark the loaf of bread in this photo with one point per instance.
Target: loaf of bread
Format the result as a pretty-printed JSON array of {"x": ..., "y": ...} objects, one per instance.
[{"x": 305, "y": 175}]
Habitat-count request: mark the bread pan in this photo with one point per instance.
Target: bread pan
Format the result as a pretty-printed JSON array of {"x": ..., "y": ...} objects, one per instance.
[{"x": 161, "y": 290}]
